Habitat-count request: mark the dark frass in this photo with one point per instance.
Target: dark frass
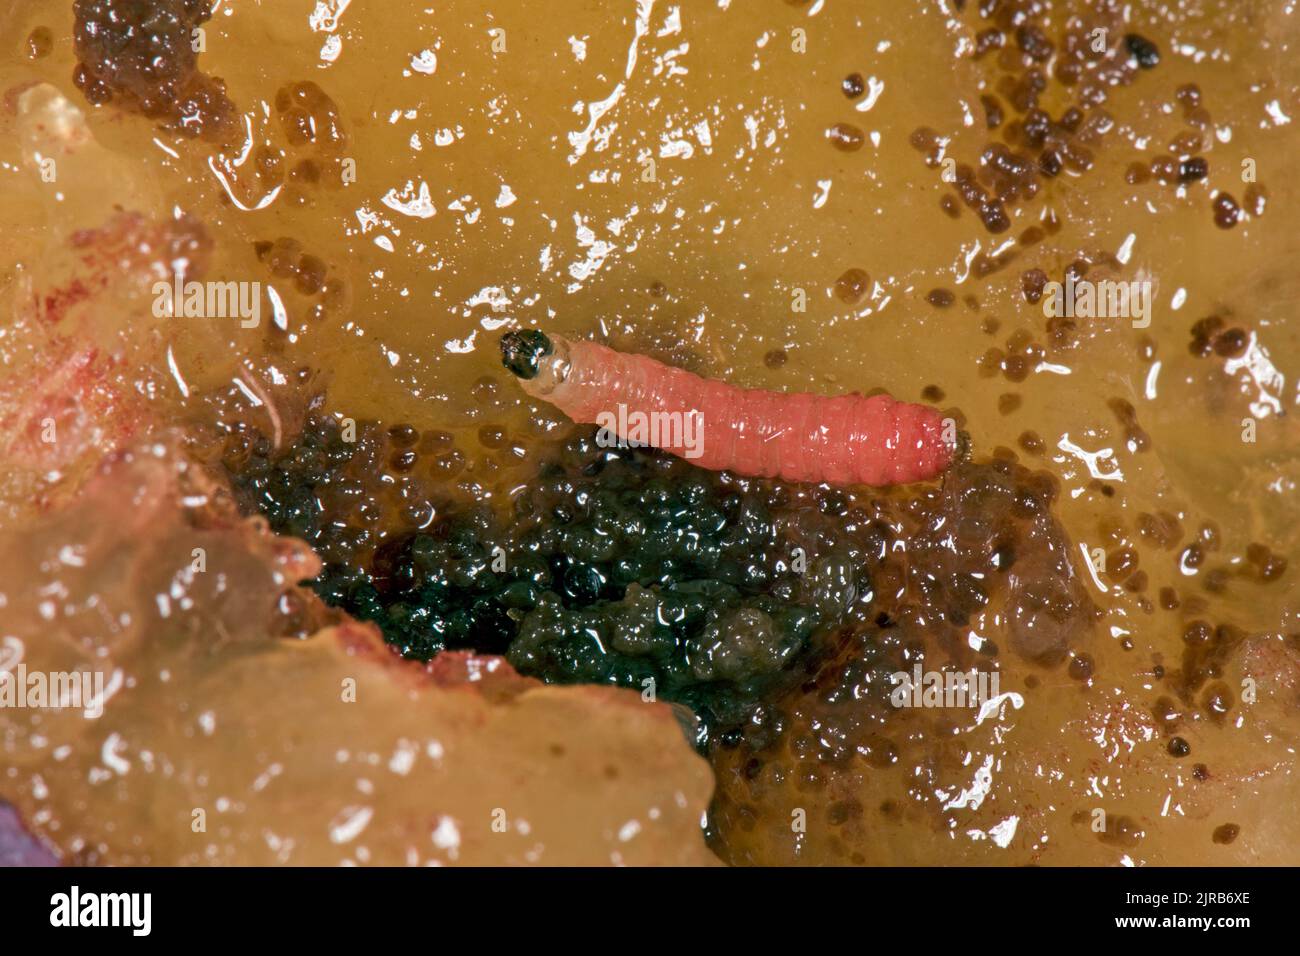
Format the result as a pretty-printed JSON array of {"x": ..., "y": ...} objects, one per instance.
[
  {"x": 615, "y": 566},
  {"x": 1143, "y": 50}
]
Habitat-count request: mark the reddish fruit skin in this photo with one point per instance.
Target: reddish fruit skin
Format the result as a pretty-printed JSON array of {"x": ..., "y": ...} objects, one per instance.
[{"x": 840, "y": 440}]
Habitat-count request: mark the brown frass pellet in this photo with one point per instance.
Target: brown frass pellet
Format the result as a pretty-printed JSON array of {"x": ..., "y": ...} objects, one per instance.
[
  {"x": 1198, "y": 632},
  {"x": 993, "y": 114},
  {"x": 1186, "y": 143},
  {"x": 1032, "y": 284},
  {"x": 1178, "y": 747},
  {"x": 845, "y": 137},
  {"x": 1120, "y": 562},
  {"x": 403, "y": 460},
  {"x": 1077, "y": 157},
  {"x": 1136, "y": 174},
  {"x": 1256, "y": 199},
  {"x": 776, "y": 358},
  {"x": 306, "y": 171},
  {"x": 1269, "y": 564},
  {"x": 1072, "y": 118},
  {"x": 940, "y": 298},
  {"x": 403, "y": 435},
  {"x": 1034, "y": 43},
  {"x": 1020, "y": 341},
  {"x": 1203, "y": 332},
  {"x": 1189, "y": 94},
  {"x": 1122, "y": 831},
  {"x": 1231, "y": 343},
  {"x": 989, "y": 39},
  {"x": 853, "y": 85},
  {"x": 1036, "y": 127},
  {"x": 1126, "y": 414},
  {"x": 310, "y": 275},
  {"x": 1226, "y": 833},
  {"x": 852, "y": 286},
  {"x": 39, "y": 43},
  {"x": 923, "y": 139},
  {"x": 1191, "y": 170},
  {"x": 1077, "y": 269},
  {"x": 1031, "y": 442},
  {"x": 436, "y": 441},
  {"x": 1216, "y": 581},
  {"x": 283, "y": 257},
  {"x": 491, "y": 436},
  {"x": 1081, "y": 667},
  {"x": 994, "y": 217},
  {"x": 1066, "y": 71},
  {"x": 984, "y": 265},
  {"x": 448, "y": 464},
  {"x": 1165, "y": 169},
  {"x": 1226, "y": 211},
  {"x": 1273, "y": 568},
  {"x": 1137, "y": 582}
]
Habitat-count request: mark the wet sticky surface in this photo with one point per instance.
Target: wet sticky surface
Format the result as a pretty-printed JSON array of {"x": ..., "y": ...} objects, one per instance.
[{"x": 797, "y": 196}]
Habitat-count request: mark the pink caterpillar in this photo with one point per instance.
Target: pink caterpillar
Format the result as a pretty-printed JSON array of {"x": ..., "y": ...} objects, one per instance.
[{"x": 841, "y": 440}]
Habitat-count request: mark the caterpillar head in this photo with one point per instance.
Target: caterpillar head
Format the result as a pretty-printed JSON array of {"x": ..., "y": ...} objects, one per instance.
[{"x": 522, "y": 352}]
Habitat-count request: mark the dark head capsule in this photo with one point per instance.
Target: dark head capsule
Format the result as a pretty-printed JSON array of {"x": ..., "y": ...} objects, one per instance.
[
  {"x": 522, "y": 352},
  {"x": 1143, "y": 50}
]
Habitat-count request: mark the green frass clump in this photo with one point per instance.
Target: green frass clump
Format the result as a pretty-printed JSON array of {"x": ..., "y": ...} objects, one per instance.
[{"x": 613, "y": 565}]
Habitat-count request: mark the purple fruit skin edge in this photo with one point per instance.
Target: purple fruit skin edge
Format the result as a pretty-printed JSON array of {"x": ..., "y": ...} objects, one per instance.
[{"x": 17, "y": 846}]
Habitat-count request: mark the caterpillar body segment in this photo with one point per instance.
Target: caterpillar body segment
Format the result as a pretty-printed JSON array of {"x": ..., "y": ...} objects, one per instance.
[{"x": 839, "y": 440}]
